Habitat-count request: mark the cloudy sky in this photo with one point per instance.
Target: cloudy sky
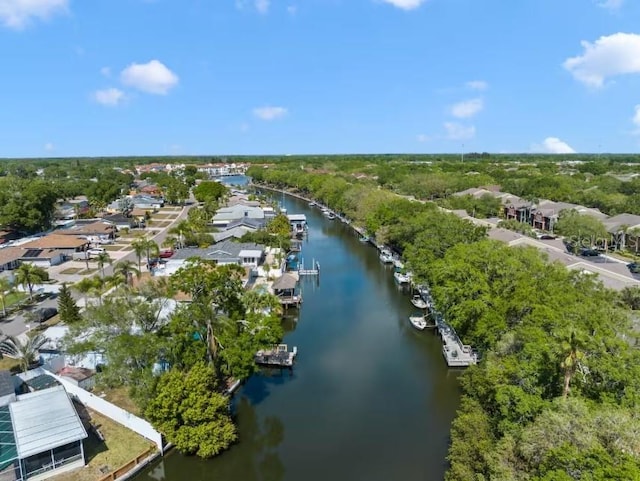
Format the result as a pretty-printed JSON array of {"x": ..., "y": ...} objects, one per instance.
[{"x": 159, "y": 77}]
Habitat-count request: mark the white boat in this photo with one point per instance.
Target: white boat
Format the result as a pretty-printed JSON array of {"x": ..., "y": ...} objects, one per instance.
[
  {"x": 419, "y": 322},
  {"x": 364, "y": 239},
  {"x": 312, "y": 204},
  {"x": 419, "y": 302},
  {"x": 402, "y": 278},
  {"x": 330, "y": 215},
  {"x": 386, "y": 257},
  {"x": 398, "y": 264}
]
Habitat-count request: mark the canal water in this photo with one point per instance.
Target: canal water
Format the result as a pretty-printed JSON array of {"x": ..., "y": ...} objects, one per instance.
[{"x": 369, "y": 398}]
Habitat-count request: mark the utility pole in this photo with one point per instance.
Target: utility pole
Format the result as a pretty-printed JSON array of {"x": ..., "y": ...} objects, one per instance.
[{"x": 462, "y": 154}]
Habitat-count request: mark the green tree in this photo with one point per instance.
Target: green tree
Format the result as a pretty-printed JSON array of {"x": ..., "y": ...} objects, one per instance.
[
  {"x": 67, "y": 307},
  {"x": 28, "y": 275},
  {"x": 103, "y": 258},
  {"x": 124, "y": 271},
  {"x": 279, "y": 226},
  {"x": 190, "y": 412},
  {"x": 209, "y": 191},
  {"x": 581, "y": 229}
]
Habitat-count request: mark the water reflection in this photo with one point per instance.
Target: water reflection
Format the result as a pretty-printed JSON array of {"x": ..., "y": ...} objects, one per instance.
[{"x": 255, "y": 458}]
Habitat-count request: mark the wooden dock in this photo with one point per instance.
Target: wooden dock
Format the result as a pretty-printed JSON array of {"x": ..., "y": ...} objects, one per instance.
[{"x": 279, "y": 356}]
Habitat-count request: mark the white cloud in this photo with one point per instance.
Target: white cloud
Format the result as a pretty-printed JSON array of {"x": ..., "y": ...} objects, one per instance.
[
  {"x": 423, "y": 138},
  {"x": 608, "y": 56},
  {"x": 262, "y": 6},
  {"x": 106, "y": 71},
  {"x": 636, "y": 120},
  {"x": 477, "y": 85},
  {"x": 553, "y": 145},
  {"x": 109, "y": 97},
  {"x": 405, "y": 4},
  {"x": 467, "y": 108},
  {"x": 152, "y": 77},
  {"x": 611, "y": 4},
  {"x": 456, "y": 131},
  {"x": 270, "y": 113},
  {"x": 17, "y": 14},
  {"x": 49, "y": 147}
]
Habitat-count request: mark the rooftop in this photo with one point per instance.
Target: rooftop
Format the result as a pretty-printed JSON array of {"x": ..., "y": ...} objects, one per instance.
[
  {"x": 44, "y": 420},
  {"x": 55, "y": 241}
]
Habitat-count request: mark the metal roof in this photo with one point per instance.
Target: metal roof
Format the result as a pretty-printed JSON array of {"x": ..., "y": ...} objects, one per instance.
[
  {"x": 252, "y": 253},
  {"x": 44, "y": 420}
]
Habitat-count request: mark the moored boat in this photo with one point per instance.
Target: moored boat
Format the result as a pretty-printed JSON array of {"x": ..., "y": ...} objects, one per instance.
[
  {"x": 386, "y": 257},
  {"x": 402, "y": 278},
  {"x": 419, "y": 322},
  {"x": 419, "y": 302}
]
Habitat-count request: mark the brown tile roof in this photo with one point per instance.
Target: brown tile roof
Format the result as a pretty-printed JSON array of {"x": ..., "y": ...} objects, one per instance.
[
  {"x": 9, "y": 254},
  {"x": 55, "y": 241},
  {"x": 98, "y": 227},
  {"x": 41, "y": 253}
]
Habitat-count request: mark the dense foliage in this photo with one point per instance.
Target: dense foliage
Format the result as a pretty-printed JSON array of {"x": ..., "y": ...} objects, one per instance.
[{"x": 555, "y": 396}]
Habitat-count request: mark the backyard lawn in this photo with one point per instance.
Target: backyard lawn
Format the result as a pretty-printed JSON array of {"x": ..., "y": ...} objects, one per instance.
[{"x": 119, "y": 447}]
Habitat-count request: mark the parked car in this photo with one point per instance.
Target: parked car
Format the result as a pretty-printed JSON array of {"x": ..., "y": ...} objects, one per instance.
[
  {"x": 166, "y": 254},
  {"x": 46, "y": 313},
  {"x": 96, "y": 251},
  {"x": 634, "y": 267}
]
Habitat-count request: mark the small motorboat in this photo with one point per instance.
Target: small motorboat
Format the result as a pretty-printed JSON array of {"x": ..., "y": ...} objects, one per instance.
[
  {"x": 402, "y": 278},
  {"x": 419, "y": 322},
  {"x": 397, "y": 263},
  {"x": 312, "y": 204},
  {"x": 364, "y": 239},
  {"x": 419, "y": 302},
  {"x": 386, "y": 257},
  {"x": 330, "y": 215}
]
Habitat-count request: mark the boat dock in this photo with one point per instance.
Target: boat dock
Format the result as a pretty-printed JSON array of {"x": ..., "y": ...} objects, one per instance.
[
  {"x": 315, "y": 271},
  {"x": 279, "y": 356}
]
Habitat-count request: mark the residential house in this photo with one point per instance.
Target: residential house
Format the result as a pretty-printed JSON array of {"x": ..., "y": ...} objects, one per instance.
[
  {"x": 41, "y": 435},
  {"x": 66, "y": 243},
  {"x": 120, "y": 221},
  {"x": 226, "y": 215},
  {"x": 624, "y": 230},
  {"x": 72, "y": 208},
  {"x": 10, "y": 258},
  {"x": 94, "y": 231},
  {"x": 146, "y": 202},
  {"x": 245, "y": 254},
  {"x": 298, "y": 222}
]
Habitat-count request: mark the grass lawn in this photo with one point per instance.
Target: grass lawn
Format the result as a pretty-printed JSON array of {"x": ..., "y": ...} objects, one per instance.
[
  {"x": 119, "y": 447},
  {"x": 162, "y": 223},
  {"x": 120, "y": 397},
  {"x": 167, "y": 215},
  {"x": 12, "y": 298},
  {"x": 88, "y": 271},
  {"x": 71, "y": 270},
  {"x": 9, "y": 364}
]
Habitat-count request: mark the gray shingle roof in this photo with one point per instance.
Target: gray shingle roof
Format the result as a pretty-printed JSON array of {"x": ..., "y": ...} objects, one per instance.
[{"x": 225, "y": 251}]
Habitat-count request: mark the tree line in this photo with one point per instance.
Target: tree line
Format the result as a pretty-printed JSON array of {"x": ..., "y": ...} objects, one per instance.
[{"x": 555, "y": 396}]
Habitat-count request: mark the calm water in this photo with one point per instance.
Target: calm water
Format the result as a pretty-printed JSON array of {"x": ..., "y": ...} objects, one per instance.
[{"x": 370, "y": 397}]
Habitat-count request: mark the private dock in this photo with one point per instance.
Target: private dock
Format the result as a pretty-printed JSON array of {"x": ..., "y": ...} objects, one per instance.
[
  {"x": 455, "y": 353},
  {"x": 315, "y": 271},
  {"x": 279, "y": 356}
]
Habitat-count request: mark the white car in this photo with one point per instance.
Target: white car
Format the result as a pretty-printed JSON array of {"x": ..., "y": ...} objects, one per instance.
[{"x": 96, "y": 251}]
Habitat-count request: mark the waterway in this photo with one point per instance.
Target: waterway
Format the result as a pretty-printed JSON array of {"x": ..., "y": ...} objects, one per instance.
[{"x": 370, "y": 398}]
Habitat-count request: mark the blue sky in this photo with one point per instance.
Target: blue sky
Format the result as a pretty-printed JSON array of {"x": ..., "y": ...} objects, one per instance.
[{"x": 161, "y": 77}]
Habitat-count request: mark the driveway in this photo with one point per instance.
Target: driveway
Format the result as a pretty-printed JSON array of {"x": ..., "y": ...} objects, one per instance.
[{"x": 16, "y": 324}]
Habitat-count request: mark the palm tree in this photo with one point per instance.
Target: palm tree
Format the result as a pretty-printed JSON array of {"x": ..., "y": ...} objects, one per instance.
[
  {"x": 25, "y": 351},
  {"x": 28, "y": 275},
  {"x": 139, "y": 248},
  {"x": 255, "y": 301},
  {"x": 103, "y": 258},
  {"x": 86, "y": 286},
  {"x": 572, "y": 359},
  {"x": 5, "y": 288},
  {"x": 125, "y": 270}
]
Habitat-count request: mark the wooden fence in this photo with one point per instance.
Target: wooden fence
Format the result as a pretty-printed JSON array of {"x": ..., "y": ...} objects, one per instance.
[{"x": 125, "y": 468}]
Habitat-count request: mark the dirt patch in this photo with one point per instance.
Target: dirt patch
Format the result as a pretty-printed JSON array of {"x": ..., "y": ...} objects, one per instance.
[{"x": 71, "y": 271}]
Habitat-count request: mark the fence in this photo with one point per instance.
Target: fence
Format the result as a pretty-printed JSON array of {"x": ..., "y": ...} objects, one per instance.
[
  {"x": 117, "y": 414},
  {"x": 126, "y": 468}
]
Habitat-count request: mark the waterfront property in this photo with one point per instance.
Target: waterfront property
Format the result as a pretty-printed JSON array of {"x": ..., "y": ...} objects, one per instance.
[
  {"x": 285, "y": 288},
  {"x": 41, "y": 435},
  {"x": 298, "y": 223}
]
